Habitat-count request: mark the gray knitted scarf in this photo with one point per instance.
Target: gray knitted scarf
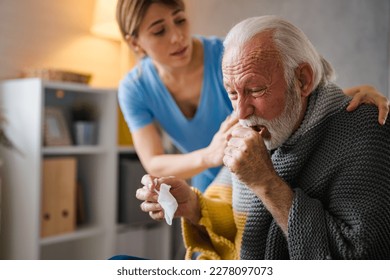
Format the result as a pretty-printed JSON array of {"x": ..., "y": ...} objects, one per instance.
[{"x": 340, "y": 187}]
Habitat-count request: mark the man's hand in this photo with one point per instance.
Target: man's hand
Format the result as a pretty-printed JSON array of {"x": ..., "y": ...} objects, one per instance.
[
  {"x": 247, "y": 157},
  {"x": 187, "y": 200}
]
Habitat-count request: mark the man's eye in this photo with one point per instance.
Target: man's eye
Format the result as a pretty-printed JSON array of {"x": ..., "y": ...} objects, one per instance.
[
  {"x": 256, "y": 92},
  {"x": 232, "y": 95}
]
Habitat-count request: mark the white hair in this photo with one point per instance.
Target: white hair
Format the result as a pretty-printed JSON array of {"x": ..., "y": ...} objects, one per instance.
[{"x": 293, "y": 45}]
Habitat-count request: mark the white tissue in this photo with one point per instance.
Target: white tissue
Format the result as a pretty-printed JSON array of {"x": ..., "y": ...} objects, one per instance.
[{"x": 168, "y": 202}]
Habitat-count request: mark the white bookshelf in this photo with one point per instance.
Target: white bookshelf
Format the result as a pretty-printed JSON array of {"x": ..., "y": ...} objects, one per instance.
[{"x": 23, "y": 103}]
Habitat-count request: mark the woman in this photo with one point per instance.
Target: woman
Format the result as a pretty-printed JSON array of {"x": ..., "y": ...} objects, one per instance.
[{"x": 178, "y": 85}]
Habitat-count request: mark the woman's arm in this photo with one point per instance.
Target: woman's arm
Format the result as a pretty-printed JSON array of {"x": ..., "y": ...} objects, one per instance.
[
  {"x": 369, "y": 95},
  {"x": 150, "y": 150},
  {"x": 149, "y": 147}
]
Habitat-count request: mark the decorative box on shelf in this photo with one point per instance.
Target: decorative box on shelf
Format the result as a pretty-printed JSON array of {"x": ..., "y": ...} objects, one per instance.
[{"x": 59, "y": 75}]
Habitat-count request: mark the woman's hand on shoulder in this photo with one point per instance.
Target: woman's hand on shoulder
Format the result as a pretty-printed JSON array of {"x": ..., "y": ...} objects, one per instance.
[{"x": 367, "y": 94}]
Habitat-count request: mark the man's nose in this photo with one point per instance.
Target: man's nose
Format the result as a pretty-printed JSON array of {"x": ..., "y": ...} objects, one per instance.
[{"x": 244, "y": 108}]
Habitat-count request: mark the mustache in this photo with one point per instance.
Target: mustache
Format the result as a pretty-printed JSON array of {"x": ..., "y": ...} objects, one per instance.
[{"x": 253, "y": 121}]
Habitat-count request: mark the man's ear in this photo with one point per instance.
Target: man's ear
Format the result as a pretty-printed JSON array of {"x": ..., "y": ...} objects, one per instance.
[{"x": 304, "y": 75}]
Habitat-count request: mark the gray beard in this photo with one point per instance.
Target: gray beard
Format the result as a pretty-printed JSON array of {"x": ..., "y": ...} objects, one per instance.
[{"x": 282, "y": 127}]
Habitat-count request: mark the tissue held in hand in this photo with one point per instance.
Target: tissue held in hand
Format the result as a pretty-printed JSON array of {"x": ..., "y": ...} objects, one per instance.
[{"x": 167, "y": 202}]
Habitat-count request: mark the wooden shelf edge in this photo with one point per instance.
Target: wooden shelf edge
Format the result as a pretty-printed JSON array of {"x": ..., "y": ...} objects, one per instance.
[
  {"x": 73, "y": 150},
  {"x": 126, "y": 149},
  {"x": 79, "y": 233}
]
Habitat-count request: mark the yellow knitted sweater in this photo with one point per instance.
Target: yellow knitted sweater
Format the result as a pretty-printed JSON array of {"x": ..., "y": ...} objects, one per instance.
[{"x": 219, "y": 232}]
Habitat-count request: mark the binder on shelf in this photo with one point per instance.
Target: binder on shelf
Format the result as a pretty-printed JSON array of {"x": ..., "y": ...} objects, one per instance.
[
  {"x": 58, "y": 196},
  {"x": 129, "y": 211}
]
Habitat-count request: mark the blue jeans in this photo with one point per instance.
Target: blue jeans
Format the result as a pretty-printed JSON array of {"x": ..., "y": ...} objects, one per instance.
[{"x": 125, "y": 257}]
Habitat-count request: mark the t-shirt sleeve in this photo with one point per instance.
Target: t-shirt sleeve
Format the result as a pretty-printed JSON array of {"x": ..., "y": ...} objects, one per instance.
[{"x": 133, "y": 103}]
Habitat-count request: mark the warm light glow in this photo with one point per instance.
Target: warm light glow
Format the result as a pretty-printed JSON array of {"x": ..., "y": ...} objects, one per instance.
[{"x": 104, "y": 23}]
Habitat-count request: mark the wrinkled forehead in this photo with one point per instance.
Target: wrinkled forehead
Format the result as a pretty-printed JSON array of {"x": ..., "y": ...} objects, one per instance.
[{"x": 260, "y": 51}]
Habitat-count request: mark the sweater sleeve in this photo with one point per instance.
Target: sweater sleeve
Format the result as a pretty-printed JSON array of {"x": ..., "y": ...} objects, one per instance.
[
  {"x": 353, "y": 222},
  {"x": 214, "y": 235}
]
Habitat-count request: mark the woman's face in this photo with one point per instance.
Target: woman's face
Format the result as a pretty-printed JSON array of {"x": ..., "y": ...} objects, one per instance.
[{"x": 164, "y": 36}]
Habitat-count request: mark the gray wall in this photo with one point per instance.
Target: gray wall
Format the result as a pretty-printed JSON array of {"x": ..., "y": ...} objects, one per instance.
[{"x": 353, "y": 35}]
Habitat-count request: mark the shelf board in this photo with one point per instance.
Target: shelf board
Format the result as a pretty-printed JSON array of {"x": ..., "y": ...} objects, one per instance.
[
  {"x": 74, "y": 86},
  {"x": 126, "y": 150},
  {"x": 80, "y": 233},
  {"x": 73, "y": 150}
]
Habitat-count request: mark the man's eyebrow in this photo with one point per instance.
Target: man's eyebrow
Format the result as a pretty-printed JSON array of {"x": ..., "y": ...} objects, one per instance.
[{"x": 162, "y": 20}]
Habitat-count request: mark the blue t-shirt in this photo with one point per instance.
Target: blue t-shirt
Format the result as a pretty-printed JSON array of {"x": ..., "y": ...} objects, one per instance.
[{"x": 143, "y": 99}]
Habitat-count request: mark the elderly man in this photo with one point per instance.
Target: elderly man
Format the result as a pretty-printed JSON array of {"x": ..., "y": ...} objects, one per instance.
[{"x": 304, "y": 178}]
